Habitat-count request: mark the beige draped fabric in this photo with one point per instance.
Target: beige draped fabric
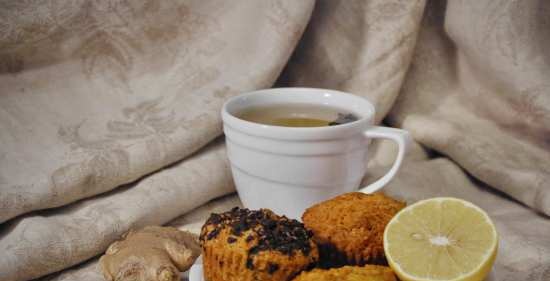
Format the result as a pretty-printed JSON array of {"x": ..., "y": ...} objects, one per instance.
[{"x": 109, "y": 112}]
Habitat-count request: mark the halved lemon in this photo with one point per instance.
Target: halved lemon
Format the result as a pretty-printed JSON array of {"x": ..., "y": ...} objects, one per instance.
[{"x": 441, "y": 239}]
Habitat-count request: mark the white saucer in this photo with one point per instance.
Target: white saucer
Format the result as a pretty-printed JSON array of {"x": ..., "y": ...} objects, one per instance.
[{"x": 195, "y": 273}]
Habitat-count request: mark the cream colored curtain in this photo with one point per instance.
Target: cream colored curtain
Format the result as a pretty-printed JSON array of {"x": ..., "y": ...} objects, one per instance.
[{"x": 109, "y": 112}]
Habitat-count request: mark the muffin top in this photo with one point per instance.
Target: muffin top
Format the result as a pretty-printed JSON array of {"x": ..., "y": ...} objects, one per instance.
[
  {"x": 352, "y": 224},
  {"x": 258, "y": 232}
]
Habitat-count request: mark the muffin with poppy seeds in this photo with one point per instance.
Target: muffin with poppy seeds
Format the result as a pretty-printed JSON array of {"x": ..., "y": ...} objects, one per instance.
[{"x": 245, "y": 245}]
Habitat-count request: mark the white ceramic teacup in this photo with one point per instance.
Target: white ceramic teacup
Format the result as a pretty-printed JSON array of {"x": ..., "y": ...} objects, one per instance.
[{"x": 288, "y": 169}]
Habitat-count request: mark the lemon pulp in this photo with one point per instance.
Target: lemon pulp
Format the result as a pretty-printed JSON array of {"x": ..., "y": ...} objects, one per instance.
[{"x": 441, "y": 239}]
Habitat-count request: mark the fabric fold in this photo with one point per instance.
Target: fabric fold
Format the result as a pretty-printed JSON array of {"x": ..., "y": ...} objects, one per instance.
[
  {"x": 363, "y": 47},
  {"x": 47, "y": 241},
  {"x": 450, "y": 103},
  {"x": 95, "y": 95}
]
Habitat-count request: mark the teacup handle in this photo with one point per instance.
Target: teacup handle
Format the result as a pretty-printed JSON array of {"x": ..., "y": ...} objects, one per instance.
[{"x": 403, "y": 140}]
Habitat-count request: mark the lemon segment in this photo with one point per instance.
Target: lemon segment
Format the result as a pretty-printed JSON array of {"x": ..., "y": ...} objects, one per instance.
[{"x": 441, "y": 239}]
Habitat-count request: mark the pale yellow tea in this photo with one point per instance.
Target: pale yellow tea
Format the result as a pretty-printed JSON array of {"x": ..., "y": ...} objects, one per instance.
[{"x": 296, "y": 115}]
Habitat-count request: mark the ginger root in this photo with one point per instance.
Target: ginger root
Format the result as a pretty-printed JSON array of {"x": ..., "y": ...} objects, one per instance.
[{"x": 153, "y": 253}]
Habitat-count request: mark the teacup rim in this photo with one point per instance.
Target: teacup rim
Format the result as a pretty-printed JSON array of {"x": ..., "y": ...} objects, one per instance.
[{"x": 299, "y": 133}]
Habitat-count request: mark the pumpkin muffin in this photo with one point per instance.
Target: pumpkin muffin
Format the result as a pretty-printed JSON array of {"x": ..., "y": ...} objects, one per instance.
[
  {"x": 349, "y": 229},
  {"x": 245, "y": 245},
  {"x": 349, "y": 273}
]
